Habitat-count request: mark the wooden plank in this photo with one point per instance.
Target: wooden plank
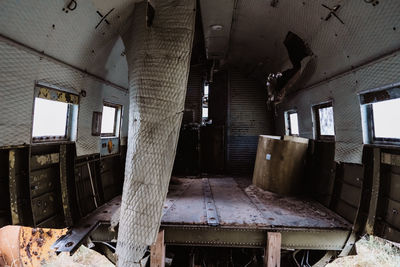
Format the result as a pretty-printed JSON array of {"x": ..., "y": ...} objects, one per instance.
[
  {"x": 279, "y": 165},
  {"x": 272, "y": 256},
  {"x": 157, "y": 251}
]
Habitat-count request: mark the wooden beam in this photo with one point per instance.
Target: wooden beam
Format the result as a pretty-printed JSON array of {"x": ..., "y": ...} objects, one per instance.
[
  {"x": 272, "y": 257},
  {"x": 157, "y": 256}
]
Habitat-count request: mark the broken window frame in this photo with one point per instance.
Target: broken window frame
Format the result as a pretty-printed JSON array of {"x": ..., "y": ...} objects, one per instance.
[
  {"x": 53, "y": 93},
  {"x": 367, "y": 99},
  {"x": 317, "y": 120},
  {"x": 117, "y": 120},
  {"x": 288, "y": 125}
]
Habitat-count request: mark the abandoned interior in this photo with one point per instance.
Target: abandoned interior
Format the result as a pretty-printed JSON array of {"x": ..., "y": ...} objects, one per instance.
[{"x": 198, "y": 133}]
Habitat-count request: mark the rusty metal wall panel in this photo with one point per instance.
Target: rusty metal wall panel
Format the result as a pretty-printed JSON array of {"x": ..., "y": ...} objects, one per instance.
[
  {"x": 248, "y": 118},
  {"x": 5, "y": 208}
]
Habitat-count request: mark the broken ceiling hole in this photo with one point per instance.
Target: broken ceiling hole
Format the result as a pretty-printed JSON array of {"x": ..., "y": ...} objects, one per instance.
[{"x": 69, "y": 244}]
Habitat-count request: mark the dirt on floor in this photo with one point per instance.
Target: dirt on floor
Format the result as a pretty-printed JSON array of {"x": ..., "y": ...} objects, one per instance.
[{"x": 371, "y": 251}]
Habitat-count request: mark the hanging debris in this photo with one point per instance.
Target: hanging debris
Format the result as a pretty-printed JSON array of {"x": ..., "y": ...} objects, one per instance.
[{"x": 299, "y": 55}]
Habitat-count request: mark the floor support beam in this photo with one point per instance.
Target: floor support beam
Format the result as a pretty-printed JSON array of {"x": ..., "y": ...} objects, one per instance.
[
  {"x": 272, "y": 257},
  {"x": 157, "y": 251}
]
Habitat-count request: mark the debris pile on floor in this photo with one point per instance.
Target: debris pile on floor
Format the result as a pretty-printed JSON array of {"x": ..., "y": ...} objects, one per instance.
[
  {"x": 371, "y": 251},
  {"x": 26, "y": 246}
]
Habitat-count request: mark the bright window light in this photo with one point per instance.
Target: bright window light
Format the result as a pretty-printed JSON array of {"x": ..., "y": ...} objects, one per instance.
[
  {"x": 326, "y": 121},
  {"x": 294, "y": 123},
  {"x": 108, "y": 120},
  {"x": 386, "y": 119},
  {"x": 206, "y": 90},
  {"x": 49, "y": 118},
  {"x": 205, "y": 112}
]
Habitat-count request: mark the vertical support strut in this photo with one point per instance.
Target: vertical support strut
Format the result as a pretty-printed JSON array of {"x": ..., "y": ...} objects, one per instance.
[
  {"x": 157, "y": 251},
  {"x": 272, "y": 257}
]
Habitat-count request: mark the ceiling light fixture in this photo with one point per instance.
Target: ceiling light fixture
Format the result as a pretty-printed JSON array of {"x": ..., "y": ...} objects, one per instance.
[{"x": 216, "y": 27}]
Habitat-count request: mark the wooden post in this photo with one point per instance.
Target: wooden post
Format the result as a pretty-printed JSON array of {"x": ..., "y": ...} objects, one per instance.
[
  {"x": 272, "y": 257},
  {"x": 157, "y": 257}
]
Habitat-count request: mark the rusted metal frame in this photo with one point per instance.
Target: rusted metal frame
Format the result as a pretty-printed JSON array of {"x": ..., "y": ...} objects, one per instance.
[
  {"x": 92, "y": 185},
  {"x": 64, "y": 186},
  {"x": 373, "y": 205},
  {"x": 211, "y": 209},
  {"x": 390, "y": 159},
  {"x": 292, "y": 238},
  {"x": 77, "y": 234},
  {"x": 16, "y": 213}
]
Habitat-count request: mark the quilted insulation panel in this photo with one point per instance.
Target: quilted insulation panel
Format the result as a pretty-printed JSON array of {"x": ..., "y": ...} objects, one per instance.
[
  {"x": 343, "y": 91},
  {"x": 21, "y": 68},
  {"x": 158, "y": 62}
]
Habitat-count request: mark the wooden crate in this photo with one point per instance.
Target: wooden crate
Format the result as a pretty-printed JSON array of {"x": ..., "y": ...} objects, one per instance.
[{"x": 280, "y": 164}]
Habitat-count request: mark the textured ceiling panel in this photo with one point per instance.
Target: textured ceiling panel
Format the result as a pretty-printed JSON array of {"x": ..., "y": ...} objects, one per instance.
[
  {"x": 218, "y": 14},
  {"x": 258, "y": 32},
  {"x": 70, "y": 37}
]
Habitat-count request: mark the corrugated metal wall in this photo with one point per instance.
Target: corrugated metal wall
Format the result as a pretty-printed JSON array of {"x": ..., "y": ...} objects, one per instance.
[
  {"x": 194, "y": 94},
  {"x": 248, "y": 117},
  {"x": 343, "y": 90}
]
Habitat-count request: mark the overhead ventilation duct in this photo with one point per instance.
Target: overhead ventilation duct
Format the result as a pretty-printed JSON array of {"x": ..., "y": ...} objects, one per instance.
[{"x": 158, "y": 58}]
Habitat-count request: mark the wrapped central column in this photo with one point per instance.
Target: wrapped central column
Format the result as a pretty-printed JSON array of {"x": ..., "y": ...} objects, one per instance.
[{"x": 158, "y": 55}]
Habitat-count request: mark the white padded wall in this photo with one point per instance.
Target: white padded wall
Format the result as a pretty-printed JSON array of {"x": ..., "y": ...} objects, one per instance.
[
  {"x": 70, "y": 37},
  {"x": 343, "y": 90},
  {"x": 158, "y": 61},
  {"x": 20, "y": 69}
]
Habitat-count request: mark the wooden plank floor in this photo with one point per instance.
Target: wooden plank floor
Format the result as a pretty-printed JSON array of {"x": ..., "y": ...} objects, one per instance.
[{"x": 240, "y": 204}]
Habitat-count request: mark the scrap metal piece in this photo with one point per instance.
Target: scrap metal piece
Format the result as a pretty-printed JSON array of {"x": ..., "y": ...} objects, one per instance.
[
  {"x": 211, "y": 209},
  {"x": 77, "y": 234},
  {"x": 26, "y": 246}
]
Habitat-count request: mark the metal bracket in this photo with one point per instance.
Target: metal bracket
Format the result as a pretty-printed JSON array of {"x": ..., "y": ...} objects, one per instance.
[{"x": 211, "y": 209}]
